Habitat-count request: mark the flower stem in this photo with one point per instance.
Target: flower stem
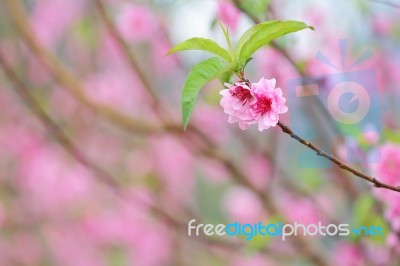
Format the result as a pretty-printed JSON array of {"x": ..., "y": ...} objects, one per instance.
[{"x": 336, "y": 161}]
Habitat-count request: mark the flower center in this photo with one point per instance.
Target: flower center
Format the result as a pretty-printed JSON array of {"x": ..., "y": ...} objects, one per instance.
[
  {"x": 241, "y": 93},
  {"x": 263, "y": 105}
]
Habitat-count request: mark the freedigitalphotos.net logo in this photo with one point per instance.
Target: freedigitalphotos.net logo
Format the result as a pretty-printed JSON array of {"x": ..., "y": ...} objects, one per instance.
[
  {"x": 279, "y": 229},
  {"x": 348, "y": 98}
]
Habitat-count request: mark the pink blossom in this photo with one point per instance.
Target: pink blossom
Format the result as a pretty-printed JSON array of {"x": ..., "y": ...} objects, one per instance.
[
  {"x": 258, "y": 170},
  {"x": 137, "y": 23},
  {"x": 50, "y": 19},
  {"x": 213, "y": 171},
  {"x": 388, "y": 167},
  {"x": 382, "y": 24},
  {"x": 29, "y": 251},
  {"x": 271, "y": 63},
  {"x": 393, "y": 241},
  {"x": 228, "y": 14},
  {"x": 370, "y": 134},
  {"x": 270, "y": 103},
  {"x": 347, "y": 255},
  {"x": 253, "y": 260},
  {"x": 262, "y": 103},
  {"x": 236, "y": 101},
  {"x": 214, "y": 128},
  {"x": 163, "y": 64},
  {"x": 306, "y": 212},
  {"x": 174, "y": 165},
  {"x": 242, "y": 205}
]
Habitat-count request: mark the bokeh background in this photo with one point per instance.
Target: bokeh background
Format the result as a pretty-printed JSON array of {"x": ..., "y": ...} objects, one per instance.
[{"x": 95, "y": 168}]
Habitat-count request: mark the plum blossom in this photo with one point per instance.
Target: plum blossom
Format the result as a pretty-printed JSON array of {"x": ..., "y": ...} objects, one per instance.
[
  {"x": 387, "y": 168},
  {"x": 236, "y": 101},
  {"x": 260, "y": 103},
  {"x": 348, "y": 255},
  {"x": 137, "y": 23},
  {"x": 270, "y": 103},
  {"x": 242, "y": 205}
]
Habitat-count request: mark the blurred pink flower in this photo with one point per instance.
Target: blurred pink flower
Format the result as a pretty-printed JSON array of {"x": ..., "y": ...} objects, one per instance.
[
  {"x": 387, "y": 169},
  {"x": 174, "y": 165},
  {"x": 393, "y": 241},
  {"x": 152, "y": 238},
  {"x": 137, "y": 23},
  {"x": 258, "y": 170},
  {"x": 305, "y": 211},
  {"x": 251, "y": 260},
  {"x": 71, "y": 246},
  {"x": 50, "y": 19},
  {"x": 270, "y": 103},
  {"x": 370, "y": 134},
  {"x": 117, "y": 89},
  {"x": 163, "y": 64},
  {"x": 214, "y": 128},
  {"x": 270, "y": 63},
  {"x": 382, "y": 24},
  {"x": 347, "y": 255},
  {"x": 242, "y": 205},
  {"x": 62, "y": 185},
  {"x": 228, "y": 14},
  {"x": 236, "y": 101},
  {"x": 29, "y": 251},
  {"x": 213, "y": 171}
]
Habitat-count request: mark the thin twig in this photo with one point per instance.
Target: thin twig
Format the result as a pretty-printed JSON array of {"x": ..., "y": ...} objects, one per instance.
[
  {"x": 336, "y": 161},
  {"x": 66, "y": 78},
  {"x": 129, "y": 56}
]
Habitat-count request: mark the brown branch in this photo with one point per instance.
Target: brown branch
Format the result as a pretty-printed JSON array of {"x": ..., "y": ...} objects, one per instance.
[
  {"x": 336, "y": 161},
  {"x": 129, "y": 56}
]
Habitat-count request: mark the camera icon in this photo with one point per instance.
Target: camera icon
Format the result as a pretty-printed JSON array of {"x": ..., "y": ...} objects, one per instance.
[{"x": 348, "y": 99}]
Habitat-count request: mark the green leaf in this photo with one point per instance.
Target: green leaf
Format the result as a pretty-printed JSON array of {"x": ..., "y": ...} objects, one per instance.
[
  {"x": 226, "y": 77},
  {"x": 263, "y": 33},
  {"x": 228, "y": 41},
  {"x": 203, "y": 45},
  {"x": 392, "y": 136},
  {"x": 198, "y": 77}
]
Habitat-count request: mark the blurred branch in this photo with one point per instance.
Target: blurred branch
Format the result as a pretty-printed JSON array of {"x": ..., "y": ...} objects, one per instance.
[
  {"x": 66, "y": 78},
  {"x": 67, "y": 144},
  {"x": 336, "y": 161},
  {"x": 129, "y": 56}
]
